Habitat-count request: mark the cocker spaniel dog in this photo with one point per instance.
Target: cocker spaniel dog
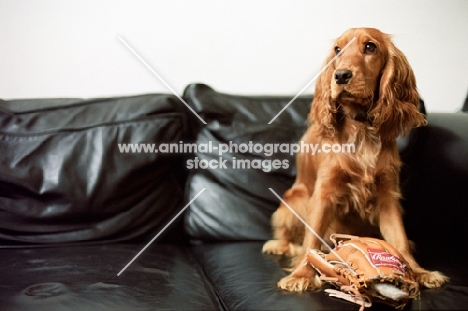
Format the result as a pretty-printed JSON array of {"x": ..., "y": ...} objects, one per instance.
[{"x": 367, "y": 97}]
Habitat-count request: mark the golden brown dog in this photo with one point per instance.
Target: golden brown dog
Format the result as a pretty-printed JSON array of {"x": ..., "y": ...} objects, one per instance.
[{"x": 366, "y": 97}]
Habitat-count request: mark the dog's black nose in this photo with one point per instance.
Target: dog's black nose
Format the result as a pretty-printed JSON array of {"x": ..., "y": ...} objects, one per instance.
[{"x": 343, "y": 76}]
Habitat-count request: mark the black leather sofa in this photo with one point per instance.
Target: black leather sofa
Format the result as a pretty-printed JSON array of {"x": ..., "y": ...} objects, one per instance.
[{"x": 75, "y": 209}]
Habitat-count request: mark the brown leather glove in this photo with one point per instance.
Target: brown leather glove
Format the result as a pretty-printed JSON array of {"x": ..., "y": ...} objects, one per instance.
[{"x": 365, "y": 270}]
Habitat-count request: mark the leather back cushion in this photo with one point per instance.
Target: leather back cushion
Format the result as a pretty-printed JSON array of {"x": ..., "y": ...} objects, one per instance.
[
  {"x": 63, "y": 177},
  {"x": 465, "y": 105},
  {"x": 237, "y": 203}
]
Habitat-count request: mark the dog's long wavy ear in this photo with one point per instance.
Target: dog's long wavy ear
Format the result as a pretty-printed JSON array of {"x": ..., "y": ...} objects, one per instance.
[
  {"x": 323, "y": 110},
  {"x": 396, "y": 111}
]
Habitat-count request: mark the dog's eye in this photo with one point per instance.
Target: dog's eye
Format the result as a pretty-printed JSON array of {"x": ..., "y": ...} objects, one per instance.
[
  {"x": 337, "y": 50},
  {"x": 370, "y": 48}
]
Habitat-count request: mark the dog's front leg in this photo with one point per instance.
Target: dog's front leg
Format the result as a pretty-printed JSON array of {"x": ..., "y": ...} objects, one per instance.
[
  {"x": 393, "y": 231},
  {"x": 304, "y": 277}
]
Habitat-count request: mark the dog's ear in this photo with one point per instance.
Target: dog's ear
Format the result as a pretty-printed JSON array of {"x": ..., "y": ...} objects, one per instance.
[
  {"x": 323, "y": 110},
  {"x": 396, "y": 110}
]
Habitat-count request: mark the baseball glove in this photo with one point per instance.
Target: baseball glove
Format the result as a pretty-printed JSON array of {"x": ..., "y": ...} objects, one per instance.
[{"x": 366, "y": 270}]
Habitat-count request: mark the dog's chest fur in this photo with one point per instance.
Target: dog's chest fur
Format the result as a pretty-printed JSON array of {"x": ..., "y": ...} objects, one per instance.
[{"x": 360, "y": 176}]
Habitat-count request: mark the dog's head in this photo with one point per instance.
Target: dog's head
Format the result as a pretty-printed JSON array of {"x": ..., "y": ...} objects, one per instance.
[{"x": 367, "y": 78}]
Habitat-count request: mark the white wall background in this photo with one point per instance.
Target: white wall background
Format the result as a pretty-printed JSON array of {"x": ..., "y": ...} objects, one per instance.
[{"x": 71, "y": 48}]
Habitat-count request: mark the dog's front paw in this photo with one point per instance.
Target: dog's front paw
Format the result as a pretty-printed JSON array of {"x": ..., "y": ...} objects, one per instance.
[
  {"x": 282, "y": 247},
  {"x": 299, "y": 284},
  {"x": 431, "y": 279}
]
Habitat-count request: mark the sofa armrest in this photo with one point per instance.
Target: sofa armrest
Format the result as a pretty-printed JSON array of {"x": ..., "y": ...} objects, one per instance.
[{"x": 435, "y": 190}]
